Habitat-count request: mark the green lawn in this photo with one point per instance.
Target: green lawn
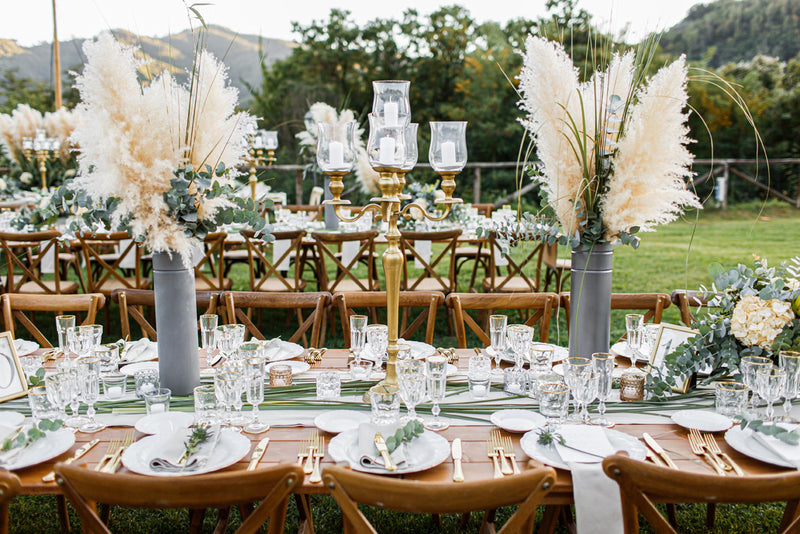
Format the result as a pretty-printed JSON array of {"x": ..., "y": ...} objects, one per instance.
[{"x": 676, "y": 256}]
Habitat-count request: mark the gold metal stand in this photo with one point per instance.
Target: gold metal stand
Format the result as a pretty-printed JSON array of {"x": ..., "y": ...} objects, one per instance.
[
  {"x": 41, "y": 156},
  {"x": 255, "y": 157}
]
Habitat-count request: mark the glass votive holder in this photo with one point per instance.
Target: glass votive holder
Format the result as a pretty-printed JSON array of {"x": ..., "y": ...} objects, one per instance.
[
  {"x": 515, "y": 380},
  {"x": 731, "y": 398},
  {"x": 479, "y": 376},
  {"x": 157, "y": 401},
  {"x": 535, "y": 379},
  {"x": 114, "y": 385},
  {"x": 631, "y": 386},
  {"x": 553, "y": 401},
  {"x": 206, "y": 409},
  {"x": 280, "y": 375},
  {"x": 541, "y": 357},
  {"x": 145, "y": 381},
  {"x": 109, "y": 357},
  {"x": 403, "y": 351},
  {"x": 360, "y": 370},
  {"x": 329, "y": 385},
  {"x": 385, "y": 402},
  {"x": 30, "y": 364},
  {"x": 41, "y": 407}
]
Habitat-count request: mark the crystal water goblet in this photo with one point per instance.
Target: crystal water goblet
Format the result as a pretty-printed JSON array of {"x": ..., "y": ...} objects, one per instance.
[
  {"x": 789, "y": 361},
  {"x": 89, "y": 382},
  {"x": 378, "y": 339},
  {"x": 770, "y": 382},
  {"x": 254, "y": 373},
  {"x": 358, "y": 334},
  {"x": 586, "y": 392},
  {"x": 603, "y": 364},
  {"x": 633, "y": 327},
  {"x": 520, "y": 337},
  {"x": 437, "y": 383},
  {"x": 80, "y": 340},
  {"x": 498, "y": 340},
  {"x": 748, "y": 367},
  {"x": 411, "y": 380},
  {"x": 63, "y": 324},
  {"x": 70, "y": 372},
  {"x": 59, "y": 392},
  {"x": 576, "y": 370}
]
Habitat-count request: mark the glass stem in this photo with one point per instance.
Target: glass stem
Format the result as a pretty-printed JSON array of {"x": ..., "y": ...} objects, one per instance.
[
  {"x": 412, "y": 412},
  {"x": 602, "y": 408},
  {"x": 90, "y": 411},
  {"x": 435, "y": 410},
  {"x": 255, "y": 412},
  {"x": 770, "y": 411},
  {"x": 74, "y": 406}
]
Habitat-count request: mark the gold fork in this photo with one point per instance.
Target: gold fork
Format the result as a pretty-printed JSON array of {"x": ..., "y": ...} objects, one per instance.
[
  {"x": 308, "y": 467},
  {"x": 713, "y": 447},
  {"x": 315, "y": 474},
  {"x": 695, "y": 444},
  {"x": 301, "y": 453},
  {"x": 698, "y": 437},
  {"x": 111, "y": 450},
  {"x": 509, "y": 447},
  {"x": 498, "y": 447},
  {"x": 113, "y": 464},
  {"x": 492, "y": 453}
]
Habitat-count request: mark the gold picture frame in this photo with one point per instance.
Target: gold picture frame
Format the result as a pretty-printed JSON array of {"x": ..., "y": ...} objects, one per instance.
[
  {"x": 670, "y": 336},
  {"x": 13, "y": 382}
]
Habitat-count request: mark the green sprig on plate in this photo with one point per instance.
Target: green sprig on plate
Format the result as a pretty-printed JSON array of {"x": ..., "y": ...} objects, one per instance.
[
  {"x": 792, "y": 437},
  {"x": 548, "y": 437},
  {"x": 20, "y": 440},
  {"x": 412, "y": 430}
]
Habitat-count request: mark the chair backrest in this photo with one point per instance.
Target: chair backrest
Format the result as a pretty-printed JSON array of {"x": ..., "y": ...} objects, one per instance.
[
  {"x": 363, "y": 242},
  {"x": 652, "y": 305},
  {"x": 315, "y": 198},
  {"x": 214, "y": 260},
  {"x": 27, "y": 257},
  {"x": 270, "y": 485},
  {"x": 686, "y": 300},
  {"x": 9, "y": 488},
  {"x": 132, "y": 301},
  {"x": 262, "y": 258},
  {"x": 429, "y": 301},
  {"x": 106, "y": 275},
  {"x": 484, "y": 209},
  {"x": 539, "y": 305},
  {"x": 15, "y": 306},
  {"x": 445, "y": 260},
  {"x": 517, "y": 270},
  {"x": 237, "y": 303},
  {"x": 525, "y": 489},
  {"x": 314, "y": 212},
  {"x": 640, "y": 481}
]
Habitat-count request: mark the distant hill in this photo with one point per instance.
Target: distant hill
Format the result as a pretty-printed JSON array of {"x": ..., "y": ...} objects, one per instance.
[
  {"x": 737, "y": 30},
  {"x": 173, "y": 52}
]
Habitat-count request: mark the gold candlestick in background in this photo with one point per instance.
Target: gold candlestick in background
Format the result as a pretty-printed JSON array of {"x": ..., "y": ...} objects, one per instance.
[
  {"x": 41, "y": 149},
  {"x": 262, "y": 140}
]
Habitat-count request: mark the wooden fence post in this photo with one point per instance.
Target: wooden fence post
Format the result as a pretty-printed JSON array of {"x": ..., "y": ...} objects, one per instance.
[
  {"x": 298, "y": 186},
  {"x": 476, "y": 187}
]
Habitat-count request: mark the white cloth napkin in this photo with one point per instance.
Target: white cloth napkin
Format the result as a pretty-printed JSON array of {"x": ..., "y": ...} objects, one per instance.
[
  {"x": 586, "y": 444},
  {"x": 143, "y": 350},
  {"x": 598, "y": 507},
  {"x": 423, "y": 248},
  {"x": 369, "y": 457},
  {"x": 48, "y": 263},
  {"x": 279, "y": 248},
  {"x": 349, "y": 251},
  {"x": 790, "y": 452},
  {"x": 129, "y": 260}
]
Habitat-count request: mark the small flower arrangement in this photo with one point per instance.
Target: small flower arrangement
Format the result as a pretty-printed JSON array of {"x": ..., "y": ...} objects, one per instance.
[{"x": 758, "y": 310}]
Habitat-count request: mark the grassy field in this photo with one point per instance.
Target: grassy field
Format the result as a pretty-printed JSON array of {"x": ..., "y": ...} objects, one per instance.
[{"x": 677, "y": 256}]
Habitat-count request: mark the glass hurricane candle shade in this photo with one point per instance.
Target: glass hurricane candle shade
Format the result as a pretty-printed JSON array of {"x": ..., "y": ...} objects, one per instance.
[
  {"x": 270, "y": 139},
  {"x": 386, "y": 146},
  {"x": 412, "y": 150},
  {"x": 448, "y": 150},
  {"x": 335, "y": 147},
  {"x": 390, "y": 101}
]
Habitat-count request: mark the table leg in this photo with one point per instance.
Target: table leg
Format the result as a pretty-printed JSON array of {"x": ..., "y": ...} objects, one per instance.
[
  {"x": 63, "y": 514},
  {"x": 304, "y": 512}
]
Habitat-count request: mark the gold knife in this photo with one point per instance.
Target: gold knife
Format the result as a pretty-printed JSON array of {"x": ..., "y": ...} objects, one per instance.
[
  {"x": 380, "y": 444},
  {"x": 258, "y": 453},
  {"x": 458, "y": 474},
  {"x": 653, "y": 444},
  {"x": 51, "y": 476}
]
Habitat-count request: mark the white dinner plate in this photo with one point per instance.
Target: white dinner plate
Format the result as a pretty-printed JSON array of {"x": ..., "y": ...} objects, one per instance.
[
  {"x": 230, "y": 448},
  {"x": 702, "y": 420},
  {"x": 285, "y": 350},
  {"x": 297, "y": 367},
  {"x": 146, "y": 350},
  {"x": 159, "y": 423},
  {"x": 43, "y": 449},
  {"x": 620, "y": 348},
  {"x": 518, "y": 420},
  {"x": 419, "y": 350},
  {"x": 547, "y": 453},
  {"x": 336, "y": 421},
  {"x": 25, "y": 347},
  {"x": 559, "y": 354},
  {"x": 426, "y": 452},
  {"x": 11, "y": 419},
  {"x": 742, "y": 441},
  {"x": 131, "y": 368}
]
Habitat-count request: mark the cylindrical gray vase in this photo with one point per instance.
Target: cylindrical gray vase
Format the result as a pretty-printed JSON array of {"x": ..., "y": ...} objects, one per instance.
[
  {"x": 331, "y": 220},
  {"x": 176, "y": 324},
  {"x": 590, "y": 300}
]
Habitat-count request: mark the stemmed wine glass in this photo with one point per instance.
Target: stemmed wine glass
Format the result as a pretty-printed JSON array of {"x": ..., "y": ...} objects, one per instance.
[
  {"x": 576, "y": 372},
  {"x": 358, "y": 335},
  {"x": 70, "y": 372},
  {"x": 237, "y": 388},
  {"x": 80, "y": 340},
  {"x": 633, "y": 326},
  {"x": 378, "y": 339},
  {"x": 226, "y": 388},
  {"x": 770, "y": 383},
  {"x": 254, "y": 374},
  {"x": 749, "y": 366},
  {"x": 63, "y": 324},
  {"x": 789, "y": 361},
  {"x": 437, "y": 382},
  {"x": 520, "y": 337},
  {"x": 585, "y": 393},
  {"x": 498, "y": 339},
  {"x": 604, "y": 369},
  {"x": 58, "y": 388},
  {"x": 89, "y": 381},
  {"x": 411, "y": 380}
]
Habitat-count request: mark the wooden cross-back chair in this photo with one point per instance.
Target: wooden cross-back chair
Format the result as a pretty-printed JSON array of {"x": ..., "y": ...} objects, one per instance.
[
  {"x": 238, "y": 303},
  {"x": 16, "y": 305},
  {"x": 214, "y": 260},
  {"x": 429, "y": 301},
  {"x": 686, "y": 301},
  {"x": 27, "y": 255},
  {"x": 265, "y": 268},
  {"x": 104, "y": 270},
  {"x": 346, "y": 278},
  {"x": 540, "y": 306},
  {"x": 271, "y": 485},
  {"x": 9, "y": 488},
  {"x": 642, "y": 484},
  {"x": 526, "y": 489},
  {"x": 520, "y": 273},
  {"x": 133, "y": 301},
  {"x": 651, "y": 305},
  {"x": 429, "y": 279}
]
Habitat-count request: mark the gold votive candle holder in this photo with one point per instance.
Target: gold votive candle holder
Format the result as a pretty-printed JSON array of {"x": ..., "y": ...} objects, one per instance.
[
  {"x": 280, "y": 375},
  {"x": 631, "y": 386}
]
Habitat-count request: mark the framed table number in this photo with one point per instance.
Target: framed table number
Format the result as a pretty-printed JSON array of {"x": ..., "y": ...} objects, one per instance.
[
  {"x": 13, "y": 382},
  {"x": 669, "y": 337}
]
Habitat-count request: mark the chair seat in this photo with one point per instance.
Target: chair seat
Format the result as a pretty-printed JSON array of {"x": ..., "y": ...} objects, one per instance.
[
  {"x": 428, "y": 284},
  {"x": 237, "y": 255},
  {"x": 274, "y": 285},
  {"x": 67, "y": 286},
  {"x": 516, "y": 285},
  {"x": 565, "y": 264},
  {"x": 202, "y": 285}
]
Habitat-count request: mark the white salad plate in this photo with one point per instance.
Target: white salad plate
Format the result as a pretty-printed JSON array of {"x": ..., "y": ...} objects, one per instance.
[
  {"x": 53, "y": 444},
  {"x": 742, "y": 441},
  {"x": 159, "y": 423},
  {"x": 702, "y": 420},
  {"x": 336, "y": 421},
  {"x": 283, "y": 350},
  {"x": 517, "y": 420},
  {"x": 620, "y": 348},
  {"x": 131, "y": 368}
]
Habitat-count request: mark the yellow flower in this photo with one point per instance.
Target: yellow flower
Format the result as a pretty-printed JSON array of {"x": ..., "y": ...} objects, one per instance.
[{"x": 758, "y": 322}]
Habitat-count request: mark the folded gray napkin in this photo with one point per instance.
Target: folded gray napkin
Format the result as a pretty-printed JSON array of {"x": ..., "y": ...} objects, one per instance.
[{"x": 369, "y": 457}]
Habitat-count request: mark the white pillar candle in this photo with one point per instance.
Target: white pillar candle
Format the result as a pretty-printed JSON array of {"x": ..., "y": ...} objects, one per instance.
[
  {"x": 336, "y": 153},
  {"x": 386, "y": 154},
  {"x": 157, "y": 408},
  {"x": 390, "y": 114},
  {"x": 448, "y": 153},
  {"x": 115, "y": 391}
]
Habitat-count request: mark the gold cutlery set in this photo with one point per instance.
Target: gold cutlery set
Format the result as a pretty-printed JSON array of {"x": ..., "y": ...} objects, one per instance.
[
  {"x": 450, "y": 354},
  {"x": 312, "y": 451},
  {"x": 257, "y": 454},
  {"x": 112, "y": 459},
  {"x": 704, "y": 445},
  {"x": 314, "y": 356},
  {"x": 501, "y": 451}
]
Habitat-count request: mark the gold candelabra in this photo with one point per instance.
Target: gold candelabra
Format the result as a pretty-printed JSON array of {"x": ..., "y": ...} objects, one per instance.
[
  {"x": 258, "y": 143},
  {"x": 41, "y": 149}
]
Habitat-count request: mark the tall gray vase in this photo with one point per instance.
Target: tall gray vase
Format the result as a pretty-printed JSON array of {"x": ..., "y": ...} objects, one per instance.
[
  {"x": 590, "y": 300},
  {"x": 176, "y": 324}
]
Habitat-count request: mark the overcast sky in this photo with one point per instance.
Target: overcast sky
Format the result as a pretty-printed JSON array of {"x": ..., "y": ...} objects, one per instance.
[{"x": 29, "y": 22}]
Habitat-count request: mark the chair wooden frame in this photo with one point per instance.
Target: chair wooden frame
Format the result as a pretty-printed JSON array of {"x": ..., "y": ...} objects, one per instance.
[
  {"x": 16, "y": 304},
  {"x": 429, "y": 300},
  {"x": 515, "y": 271},
  {"x": 236, "y": 301},
  {"x": 686, "y": 300},
  {"x": 10, "y": 486},
  {"x": 272, "y": 485},
  {"x": 30, "y": 280},
  {"x": 526, "y": 489},
  {"x": 541, "y": 306},
  {"x": 345, "y": 272},
  {"x": 652, "y": 304},
  {"x": 110, "y": 272},
  {"x": 214, "y": 244},
  {"x": 131, "y": 302},
  {"x": 272, "y": 279},
  {"x": 553, "y": 267},
  {"x": 445, "y": 285},
  {"x": 641, "y": 484}
]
